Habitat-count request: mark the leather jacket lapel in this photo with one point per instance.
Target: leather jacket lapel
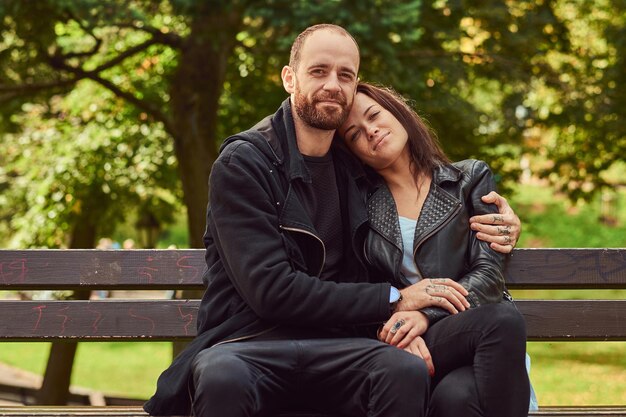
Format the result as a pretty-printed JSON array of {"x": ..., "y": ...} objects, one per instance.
[{"x": 438, "y": 208}]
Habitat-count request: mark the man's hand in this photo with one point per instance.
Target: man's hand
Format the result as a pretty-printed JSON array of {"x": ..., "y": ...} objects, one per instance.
[
  {"x": 501, "y": 230},
  {"x": 403, "y": 327},
  {"x": 434, "y": 292}
]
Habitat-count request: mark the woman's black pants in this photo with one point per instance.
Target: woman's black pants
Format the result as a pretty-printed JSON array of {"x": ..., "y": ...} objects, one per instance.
[{"x": 479, "y": 359}]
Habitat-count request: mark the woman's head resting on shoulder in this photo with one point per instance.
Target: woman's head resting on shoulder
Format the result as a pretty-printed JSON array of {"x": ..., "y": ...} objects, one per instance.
[{"x": 382, "y": 129}]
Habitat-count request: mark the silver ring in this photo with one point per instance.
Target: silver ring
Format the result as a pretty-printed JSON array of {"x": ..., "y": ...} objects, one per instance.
[{"x": 396, "y": 326}]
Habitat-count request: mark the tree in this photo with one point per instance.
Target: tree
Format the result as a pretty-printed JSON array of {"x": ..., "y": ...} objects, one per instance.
[{"x": 580, "y": 111}]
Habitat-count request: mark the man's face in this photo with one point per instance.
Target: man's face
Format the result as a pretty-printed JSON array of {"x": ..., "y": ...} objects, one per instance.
[{"x": 326, "y": 79}]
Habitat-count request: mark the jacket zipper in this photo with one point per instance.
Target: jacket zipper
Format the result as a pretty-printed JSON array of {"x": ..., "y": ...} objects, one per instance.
[
  {"x": 293, "y": 229},
  {"x": 237, "y": 339}
]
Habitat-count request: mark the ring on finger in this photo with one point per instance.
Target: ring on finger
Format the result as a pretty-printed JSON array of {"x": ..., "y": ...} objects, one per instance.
[{"x": 396, "y": 326}]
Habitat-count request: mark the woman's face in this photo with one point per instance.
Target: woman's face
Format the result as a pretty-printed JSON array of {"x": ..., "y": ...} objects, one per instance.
[{"x": 373, "y": 134}]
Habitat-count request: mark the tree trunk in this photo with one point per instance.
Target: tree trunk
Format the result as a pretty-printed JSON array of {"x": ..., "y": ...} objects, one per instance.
[
  {"x": 55, "y": 387},
  {"x": 195, "y": 93}
]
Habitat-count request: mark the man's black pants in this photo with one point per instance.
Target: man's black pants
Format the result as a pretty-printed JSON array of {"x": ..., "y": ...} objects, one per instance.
[{"x": 350, "y": 376}]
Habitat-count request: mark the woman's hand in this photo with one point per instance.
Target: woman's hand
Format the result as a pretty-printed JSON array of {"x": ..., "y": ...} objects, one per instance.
[
  {"x": 403, "y": 327},
  {"x": 434, "y": 292},
  {"x": 418, "y": 348},
  {"x": 501, "y": 230}
]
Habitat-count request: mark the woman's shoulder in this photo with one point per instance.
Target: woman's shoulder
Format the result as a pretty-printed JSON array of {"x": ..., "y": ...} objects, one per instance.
[{"x": 471, "y": 166}]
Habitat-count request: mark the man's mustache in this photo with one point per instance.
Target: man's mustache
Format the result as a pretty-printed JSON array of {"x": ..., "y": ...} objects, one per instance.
[{"x": 338, "y": 97}]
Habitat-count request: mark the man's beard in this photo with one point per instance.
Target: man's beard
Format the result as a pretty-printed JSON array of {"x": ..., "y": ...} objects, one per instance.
[{"x": 326, "y": 117}]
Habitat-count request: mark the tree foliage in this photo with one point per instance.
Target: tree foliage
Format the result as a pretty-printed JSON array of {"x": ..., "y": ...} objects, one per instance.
[{"x": 488, "y": 75}]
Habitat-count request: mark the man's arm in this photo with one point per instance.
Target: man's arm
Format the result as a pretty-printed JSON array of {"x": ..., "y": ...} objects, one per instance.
[
  {"x": 248, "y": 237},
  {"x": 501, "y": 230}
]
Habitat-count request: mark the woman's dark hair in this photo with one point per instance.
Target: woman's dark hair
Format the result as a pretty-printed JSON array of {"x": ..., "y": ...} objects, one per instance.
[{"x": 426, "y": 153}]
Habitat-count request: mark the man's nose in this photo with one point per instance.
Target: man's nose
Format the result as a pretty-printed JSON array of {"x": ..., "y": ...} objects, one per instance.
[{"x": 332, "y": 83}]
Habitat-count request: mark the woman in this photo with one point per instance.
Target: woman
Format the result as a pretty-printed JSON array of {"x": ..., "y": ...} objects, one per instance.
[{"x": 419, "y": 205}]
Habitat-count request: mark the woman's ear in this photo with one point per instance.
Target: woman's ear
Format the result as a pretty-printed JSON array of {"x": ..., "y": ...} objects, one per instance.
[{"x": 289, "y": 79}]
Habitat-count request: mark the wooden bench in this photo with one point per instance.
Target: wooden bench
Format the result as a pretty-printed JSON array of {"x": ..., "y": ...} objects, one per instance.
[{"x": 167, "y": 320}]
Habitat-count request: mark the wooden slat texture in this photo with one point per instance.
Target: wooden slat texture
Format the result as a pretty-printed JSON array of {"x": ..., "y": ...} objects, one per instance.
[
  {"x": 176, "y": 319},
  {"x": 13, "y": 411},
  {"x": 180, "y": 269},
  {"x": 109, "y": 269},
  {"x": 566, "y": 268},
  {"x": 98, "y": 320},
  {"x": 581, "y": 320}
]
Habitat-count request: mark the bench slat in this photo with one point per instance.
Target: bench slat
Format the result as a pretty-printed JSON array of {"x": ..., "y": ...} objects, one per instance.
[
  {"x": 110, "y": 269},
  {"x": 15, "y": 411},
  {"x": 182, "y": 269},
  {"x": 107, "y": 320},
  {"x": 566, "y": 269}
]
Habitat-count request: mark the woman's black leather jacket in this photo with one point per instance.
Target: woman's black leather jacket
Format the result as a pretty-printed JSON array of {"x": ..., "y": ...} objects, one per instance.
[{"x": 444, "y": 245}]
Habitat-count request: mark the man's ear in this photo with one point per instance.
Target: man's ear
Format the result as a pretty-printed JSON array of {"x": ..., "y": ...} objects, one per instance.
[{"x": 289, "y": 79}]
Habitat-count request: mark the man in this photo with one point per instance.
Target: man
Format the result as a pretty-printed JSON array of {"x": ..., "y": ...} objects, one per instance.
[{"x": 287, "y": 293}]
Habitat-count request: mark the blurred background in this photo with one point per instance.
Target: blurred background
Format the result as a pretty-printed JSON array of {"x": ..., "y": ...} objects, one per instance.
[{"x": 112, "y": 113}]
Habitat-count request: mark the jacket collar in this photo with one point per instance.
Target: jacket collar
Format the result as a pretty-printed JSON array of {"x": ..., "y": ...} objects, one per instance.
[
  {"x": 285, "y": 143},
  {"x": 437, "y": 209},
  {"x": 446, "y": 172}
]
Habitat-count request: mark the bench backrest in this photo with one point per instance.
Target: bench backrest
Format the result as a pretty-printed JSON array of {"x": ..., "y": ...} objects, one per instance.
[{"x": 165, "y": 319}]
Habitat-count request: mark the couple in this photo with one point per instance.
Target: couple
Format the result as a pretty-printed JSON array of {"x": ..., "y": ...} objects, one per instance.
[{"x": 351, "y": 290}]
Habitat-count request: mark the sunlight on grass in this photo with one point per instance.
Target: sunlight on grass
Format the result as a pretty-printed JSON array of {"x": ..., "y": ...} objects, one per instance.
[
  {"x": 579, "y": 373},
  {"x": 128, "y": 369}
]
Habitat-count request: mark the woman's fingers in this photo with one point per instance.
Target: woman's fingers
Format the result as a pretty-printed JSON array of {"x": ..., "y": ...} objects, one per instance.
[
  {"x": 425, "y": 354},
  {"x": 418, "y": 348},
  {"x": 442, "y": 289}
]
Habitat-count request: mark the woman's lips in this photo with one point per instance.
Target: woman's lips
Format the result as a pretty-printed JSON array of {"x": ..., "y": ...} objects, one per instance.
[{"x": 378, "y": 142}]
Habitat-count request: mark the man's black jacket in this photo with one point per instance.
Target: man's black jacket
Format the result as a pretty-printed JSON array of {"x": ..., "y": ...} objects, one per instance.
[{"x": 263, "y": 254}]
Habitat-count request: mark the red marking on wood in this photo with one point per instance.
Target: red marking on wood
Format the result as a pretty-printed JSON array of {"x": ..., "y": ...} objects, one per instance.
[
  {"x": 137, "y": 316},
  {"x": 189, "y": 318},
  {"x": 179, "y": 263},
  {"x": 96, "y": 322},
  {"x": 14, "y": 271},
  {"x": 145, "y": 270},
  {"x": 40, "y": 311},
  {"x": 65, "y": 318}
]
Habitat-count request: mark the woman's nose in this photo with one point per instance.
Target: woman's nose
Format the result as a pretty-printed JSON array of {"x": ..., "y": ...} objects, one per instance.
[{"x": 372, "y": 132}]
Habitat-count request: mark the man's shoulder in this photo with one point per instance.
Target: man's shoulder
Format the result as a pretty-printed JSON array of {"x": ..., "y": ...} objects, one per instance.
[
  {"x": 240, "y": 148},
  {"x": 255, "y": 141}
]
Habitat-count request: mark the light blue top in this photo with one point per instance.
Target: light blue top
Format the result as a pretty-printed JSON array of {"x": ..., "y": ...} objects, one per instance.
[{"x": 409, "y": 269}]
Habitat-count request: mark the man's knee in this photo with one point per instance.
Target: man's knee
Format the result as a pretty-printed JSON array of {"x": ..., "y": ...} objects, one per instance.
[{"x": 218, "y": 374}]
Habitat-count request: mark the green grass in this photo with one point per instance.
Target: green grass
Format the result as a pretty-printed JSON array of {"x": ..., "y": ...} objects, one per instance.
[
  {"x": 128, "y": 369},
  {"x": 549, "y": 220},
  {"x": 578, "y": 373}
]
